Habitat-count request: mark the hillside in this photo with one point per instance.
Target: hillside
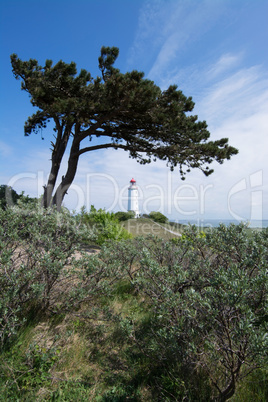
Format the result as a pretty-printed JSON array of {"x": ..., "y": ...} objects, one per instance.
[
  {"x": 145, "y": 227},
  {"x": 140, "y": 319}
]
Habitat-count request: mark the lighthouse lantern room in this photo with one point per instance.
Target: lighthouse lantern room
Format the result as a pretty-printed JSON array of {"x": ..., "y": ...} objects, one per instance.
[{"x": 133, "y": 202}]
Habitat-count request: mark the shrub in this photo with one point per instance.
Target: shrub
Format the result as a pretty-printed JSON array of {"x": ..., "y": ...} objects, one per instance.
[
  {"x": 39, "y": 269},
  {"x": 9, "y": 197},
  {"x": 158, "y": 217},
  {"x": 208, "y": 299},
  {"x": 103, "y": 225},
  {"x": 35, "y": 248},
  {"x": 124, "y": 216}
]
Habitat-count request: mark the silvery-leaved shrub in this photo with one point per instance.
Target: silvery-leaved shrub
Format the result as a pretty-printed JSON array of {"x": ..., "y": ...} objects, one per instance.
[
  {"x": 207, "y": 298},
  {"x": 36, "y": 246}
]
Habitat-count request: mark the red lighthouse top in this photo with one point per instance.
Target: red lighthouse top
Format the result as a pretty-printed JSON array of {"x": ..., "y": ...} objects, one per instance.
[{"x": 132, "y": 181}]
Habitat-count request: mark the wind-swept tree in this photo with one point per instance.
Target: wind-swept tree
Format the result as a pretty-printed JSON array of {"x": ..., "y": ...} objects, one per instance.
[{"x": 127, "y": 110}]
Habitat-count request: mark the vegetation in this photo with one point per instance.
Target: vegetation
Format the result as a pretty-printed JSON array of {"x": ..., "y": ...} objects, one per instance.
[
  {"x": 9, "y": 197},
  {"x": 145, "y": 226},
  {"x": 124, "y": 216},
  {"x": 158, "y": 217},
  {"x": 102, "y": 225},
  {"x": 127, "y": 110},
  {"x": 139, "y": 319}
]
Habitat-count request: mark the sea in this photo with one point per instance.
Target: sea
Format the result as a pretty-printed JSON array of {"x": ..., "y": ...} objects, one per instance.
[{"x": 216, "y": 222}]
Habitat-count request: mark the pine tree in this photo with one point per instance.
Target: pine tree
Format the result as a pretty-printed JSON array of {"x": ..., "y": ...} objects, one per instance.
[{"x": 128, "y": 110}]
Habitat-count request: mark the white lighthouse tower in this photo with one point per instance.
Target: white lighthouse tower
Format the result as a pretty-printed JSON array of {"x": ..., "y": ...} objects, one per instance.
[{"x": 133, "y": 203}]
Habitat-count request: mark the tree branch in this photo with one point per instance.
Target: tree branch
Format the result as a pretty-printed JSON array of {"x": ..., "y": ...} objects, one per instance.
[{"x": 104, "y": 146}]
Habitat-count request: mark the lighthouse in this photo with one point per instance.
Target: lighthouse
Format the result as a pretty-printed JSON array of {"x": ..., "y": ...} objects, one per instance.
[{"x": 133, "y": 203}]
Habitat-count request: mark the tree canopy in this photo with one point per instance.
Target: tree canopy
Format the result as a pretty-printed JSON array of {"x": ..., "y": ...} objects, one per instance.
[
  {"x": 129, "y": 111},
  {"x": 9, "y": 197}
]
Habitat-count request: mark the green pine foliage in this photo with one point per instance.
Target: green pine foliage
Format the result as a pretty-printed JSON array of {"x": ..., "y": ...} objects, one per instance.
[{"x": 129, "y": 111}]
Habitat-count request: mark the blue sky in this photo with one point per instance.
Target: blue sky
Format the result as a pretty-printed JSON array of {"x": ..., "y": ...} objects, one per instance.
[{"x": 214, "y": 50}]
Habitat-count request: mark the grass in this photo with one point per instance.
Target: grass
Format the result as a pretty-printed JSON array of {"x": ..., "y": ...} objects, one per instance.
[
  {"x": 145, "y": 227},
  {"x": 94, "y": 353},
  {"x": 77, "y": 358},
  {"x": 94, "y": 359}
]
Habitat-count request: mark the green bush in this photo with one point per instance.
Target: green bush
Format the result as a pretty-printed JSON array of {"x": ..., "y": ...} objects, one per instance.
[
  {"x": 39, "y": 270},
  {"x": 9, "y": 197},
  {"x": 158, "y": 217},
  {"x": 124, "y": 216},
  {"x": 162, "y": 320},
  {"x": 35, "y": 248},
  {"x": 25, "y": 370},
  {"x": 103, "y": 225},
  {"x": 208, "y": 299}
]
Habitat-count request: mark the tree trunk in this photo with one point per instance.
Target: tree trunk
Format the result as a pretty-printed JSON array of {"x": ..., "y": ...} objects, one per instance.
[
  {"x": 69, "y": 177},
  {"x": 228, "y": 392},
  {"x": 48, "y": 189},
  {"x": 57, "y": 155}
]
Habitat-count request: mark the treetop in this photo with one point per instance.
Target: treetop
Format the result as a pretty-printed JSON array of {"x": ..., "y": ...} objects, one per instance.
[{"x": 128, "y": 110}]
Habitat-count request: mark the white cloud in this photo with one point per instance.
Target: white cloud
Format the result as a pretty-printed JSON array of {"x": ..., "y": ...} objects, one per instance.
[
  {"x": 230, "y": 96},
  {"x": 103, "y": 177},
  {"x": 243, "y": 93},
  {"x": 167, "y": 28},
  {"x": 224, "y": 64},
  {"x": 5, "y": 149},
  {"x": 234, "y": 106}
]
